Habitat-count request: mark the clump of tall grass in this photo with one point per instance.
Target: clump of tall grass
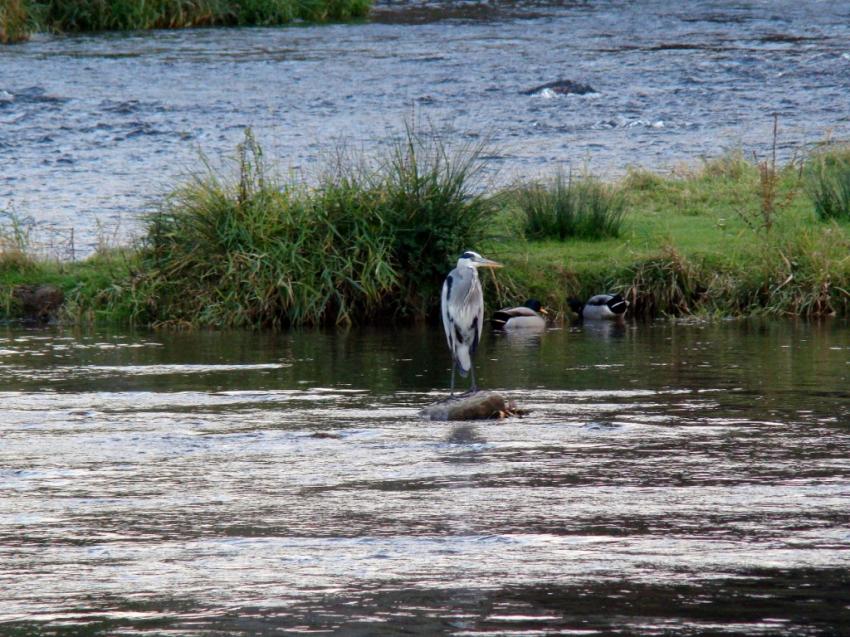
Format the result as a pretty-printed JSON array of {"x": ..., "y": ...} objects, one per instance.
[
  {"x": 827, "y": 179},
  {"x": 665, "y": 284},
  {"x": 15, "y": 246},
  {"x": 14, "y": 21},
  {"x": 255, "y": 252},
  {"x": 106, "y": 15},
  {"x": 564, "y": 207},
  {"x": 365, "y": 242},
  {"x": 435, "y": 208}
]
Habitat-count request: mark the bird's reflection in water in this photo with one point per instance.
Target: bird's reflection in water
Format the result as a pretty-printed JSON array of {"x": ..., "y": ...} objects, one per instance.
[
  {"x": 465, "y": 434},
  {"x": 527, "y": 338},
  {"x": 603, "y": 329},
  {"x": 466, "y": 444}
]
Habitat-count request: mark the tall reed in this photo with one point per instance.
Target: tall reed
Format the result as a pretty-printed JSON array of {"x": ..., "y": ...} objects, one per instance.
[
  {"x": 435, "y": 208},
  {"x": 14, "y": 21},
  {"x": 365, "y": 242},
  {"x": 827, "y": 177},
  {"x": 564, "y": 207}
]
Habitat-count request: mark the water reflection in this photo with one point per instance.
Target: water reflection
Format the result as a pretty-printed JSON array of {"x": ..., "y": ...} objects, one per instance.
[
  {"x": 525, "y": 338},
  {"x": 667, "y": 477},
  {"x": 604, "y": 329}
]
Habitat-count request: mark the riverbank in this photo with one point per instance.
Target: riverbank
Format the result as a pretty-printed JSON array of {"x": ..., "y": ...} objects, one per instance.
[
  {"x": 20, "y": 18},
  {"x": 726, "y": 237}
]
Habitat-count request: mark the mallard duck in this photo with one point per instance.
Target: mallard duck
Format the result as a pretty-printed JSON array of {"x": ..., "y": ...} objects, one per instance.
[
  {"x": 601, "y": 306},
  {"x": 530, "y": 315}
]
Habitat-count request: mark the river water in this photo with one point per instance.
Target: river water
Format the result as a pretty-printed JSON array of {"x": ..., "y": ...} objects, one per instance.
[
  {"x": 94, "y": 129},
  {"x": 671, "y": 479}
]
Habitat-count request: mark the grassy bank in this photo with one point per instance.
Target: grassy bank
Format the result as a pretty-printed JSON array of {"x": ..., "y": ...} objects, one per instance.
[
  {"x": 371, "y": 241},
  {"x": 715, "y": 239},
  {"x": 20, "y": 17}
]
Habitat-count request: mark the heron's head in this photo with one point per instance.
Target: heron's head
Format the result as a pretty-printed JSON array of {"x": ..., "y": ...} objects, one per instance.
[{"x": 470, "y": 259}]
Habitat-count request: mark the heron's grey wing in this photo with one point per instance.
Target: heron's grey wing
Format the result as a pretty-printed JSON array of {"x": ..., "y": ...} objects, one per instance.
[
  {"x": 462, "y": 316},
  {"x": 445, "y": 300},
  {"x": 480, "y": 317},
  {"x": 470, "y": 315}
]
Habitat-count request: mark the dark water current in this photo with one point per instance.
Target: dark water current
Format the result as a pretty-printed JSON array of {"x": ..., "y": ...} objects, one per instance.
[
  {"x": 670, "y": 480},
  {"x": 94, "y": 128}
]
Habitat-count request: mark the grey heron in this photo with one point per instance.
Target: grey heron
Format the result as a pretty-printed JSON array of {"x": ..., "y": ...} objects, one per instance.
[
  {"x": 600, "y": 306},
  {"x": 462, "y": 309},
  {"x": 530, "y": 315}
]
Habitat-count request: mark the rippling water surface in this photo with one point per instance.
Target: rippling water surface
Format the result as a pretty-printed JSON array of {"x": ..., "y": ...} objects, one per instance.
[
  {"x": 94, "y": 128},
  {"x": 670, "y": 479}
]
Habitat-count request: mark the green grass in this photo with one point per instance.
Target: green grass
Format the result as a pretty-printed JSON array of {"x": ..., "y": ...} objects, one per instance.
[
  {"x": 688, "y": 246},
  {"x": 19, "y": 17}
]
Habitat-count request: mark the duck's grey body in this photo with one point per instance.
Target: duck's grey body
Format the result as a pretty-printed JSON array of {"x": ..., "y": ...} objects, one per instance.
[
  {"x": 462, "y": 309},
  {"x": 601, "y": 307},
  {"x": 523, "y": 317}
]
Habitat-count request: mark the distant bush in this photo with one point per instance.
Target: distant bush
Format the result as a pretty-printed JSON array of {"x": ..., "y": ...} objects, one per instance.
[
  {"x": 110, "y": 15},
  {"x": 827, "y": 179},
  {"x": 367, "y": 241},
  {"x": 565, "y": 207},
  {"x": 14, "y": 21}
]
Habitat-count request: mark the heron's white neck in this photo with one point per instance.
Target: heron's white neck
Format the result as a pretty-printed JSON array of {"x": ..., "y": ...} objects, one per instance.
[{"x": 466, "y": 263}]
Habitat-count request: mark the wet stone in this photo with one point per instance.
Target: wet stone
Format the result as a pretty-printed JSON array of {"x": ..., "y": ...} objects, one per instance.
[
  {"x": 478, "y": 406},
  {"x": 38, "y": 303}
]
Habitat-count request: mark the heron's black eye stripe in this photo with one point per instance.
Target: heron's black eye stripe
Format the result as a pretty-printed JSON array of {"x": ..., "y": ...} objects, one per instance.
[{"x": 467, "y": 255}]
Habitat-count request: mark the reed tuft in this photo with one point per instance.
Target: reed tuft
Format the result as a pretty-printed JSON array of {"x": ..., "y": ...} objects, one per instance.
[
  {"x": 365, "y": 242},
  {"x": 564, "y": 207},
  {"x": 827, "y": 181},
  {"x": 14, "y": 21},
  {"x": 435, "y": 209}
]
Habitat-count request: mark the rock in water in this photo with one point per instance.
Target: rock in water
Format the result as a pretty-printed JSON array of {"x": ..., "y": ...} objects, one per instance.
[
  {"x": 38, "y": 303},
  {"x": 561, "y": 87},
  {"x": 478, "y": 406}
]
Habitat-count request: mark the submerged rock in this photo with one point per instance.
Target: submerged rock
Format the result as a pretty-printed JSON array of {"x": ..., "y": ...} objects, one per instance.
[
  {"x": 561, "y": 87},
  {"x": 478, "y": 406},
  {"x": 38, "y": 303}
]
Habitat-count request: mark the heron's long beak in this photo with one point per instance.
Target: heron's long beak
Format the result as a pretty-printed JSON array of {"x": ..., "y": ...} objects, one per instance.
[{"x": 487, "y": 263}]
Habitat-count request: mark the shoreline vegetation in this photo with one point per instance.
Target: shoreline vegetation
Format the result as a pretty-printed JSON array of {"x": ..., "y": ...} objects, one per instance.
[
  {"x": 372, "y": 239},
  {"x": 20, "y": 18}
]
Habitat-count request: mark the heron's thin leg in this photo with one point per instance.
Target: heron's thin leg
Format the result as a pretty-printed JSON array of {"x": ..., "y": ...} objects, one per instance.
[
  {"x": 452, "y": 392},
  {"x": 474, "y": 387}
]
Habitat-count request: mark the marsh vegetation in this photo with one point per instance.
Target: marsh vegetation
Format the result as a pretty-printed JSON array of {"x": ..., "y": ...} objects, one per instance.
[
  {"x": 372, "y": 237},
  {"x": 19, "y": 17}
]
